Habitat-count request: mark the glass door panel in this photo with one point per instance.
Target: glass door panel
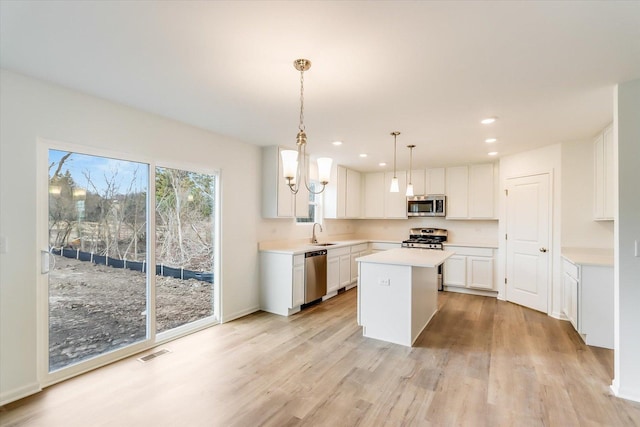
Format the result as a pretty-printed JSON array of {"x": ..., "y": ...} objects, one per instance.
[
  {"x": 185, "y": 248},
  {"x": 97, "y": 300}
]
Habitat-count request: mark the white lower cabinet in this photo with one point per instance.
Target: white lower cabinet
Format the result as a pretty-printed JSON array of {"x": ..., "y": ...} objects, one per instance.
[
  {"x": 281, "y": 282},
  {"x": 470, "y": 267},
  {"x": 356, "y": 252},
  {"x": 297, "y": 298},
  {"x": 587, "y": 301},
  {"x": 338, "y": 268}
]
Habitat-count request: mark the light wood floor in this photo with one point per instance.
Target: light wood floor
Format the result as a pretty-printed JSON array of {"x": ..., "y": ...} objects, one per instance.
[{"x": 481, "y": 362}]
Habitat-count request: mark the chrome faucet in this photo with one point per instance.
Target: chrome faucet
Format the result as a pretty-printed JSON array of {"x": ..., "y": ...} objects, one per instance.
[{"x": 314, "y": 239}]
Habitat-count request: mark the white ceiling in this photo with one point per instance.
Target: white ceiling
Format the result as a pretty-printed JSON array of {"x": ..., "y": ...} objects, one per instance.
[{"x": 431, "y": 70}]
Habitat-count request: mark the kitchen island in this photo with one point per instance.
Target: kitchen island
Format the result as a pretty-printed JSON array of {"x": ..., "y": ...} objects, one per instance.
[{"x": 398, "y": 293}]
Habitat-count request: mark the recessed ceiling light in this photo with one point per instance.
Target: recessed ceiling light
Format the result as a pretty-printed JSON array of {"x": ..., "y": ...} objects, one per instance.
[
  {"x": 488, "y": 120},
  {"x": 363, "y": 155},
  {"x": 382, "y": 164},
  {"x": 490, "y": 140},
  {"x": 493, "y": 153},
  {"x": 336, "y": 143}
]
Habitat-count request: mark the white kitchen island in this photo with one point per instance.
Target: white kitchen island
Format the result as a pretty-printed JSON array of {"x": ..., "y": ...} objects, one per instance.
[{"x": 398, "y": 293}]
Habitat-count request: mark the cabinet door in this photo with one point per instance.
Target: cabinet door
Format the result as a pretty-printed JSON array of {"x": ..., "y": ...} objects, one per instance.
[
  {"x": 418, "y": 181},
  {"x": 481, "y": 191},
  {"x": 608, "y": 189},
  {"x": 345, "y": 270},
  {"x": 455, "y": 271},
  {"x": 480, "y": 273},
  {"x": 333, "y": 273},
  {"x": 354, "y": 266},
  {"x": 353, "y": 194},
  {"x": 395, "y": 204},
  {"x": 457, "y": 191},
  {"x": 341, "y": 192},
  {"x": 298, "y": 286},
  {"x": 570, "y": 299},
  {"x": 434, "y": 181},
  {"x": 374, "y": 195}
]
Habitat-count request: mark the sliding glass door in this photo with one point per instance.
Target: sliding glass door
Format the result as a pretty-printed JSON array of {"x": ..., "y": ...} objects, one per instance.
[{"x": 121, "y": 279}]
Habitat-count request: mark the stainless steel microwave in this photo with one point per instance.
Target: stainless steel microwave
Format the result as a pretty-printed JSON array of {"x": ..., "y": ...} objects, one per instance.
[{"x": 431, "y": 205}]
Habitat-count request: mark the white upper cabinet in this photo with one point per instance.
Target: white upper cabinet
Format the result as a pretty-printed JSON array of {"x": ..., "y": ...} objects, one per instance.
[
  {"x": 374, "y": 195},
  {"x": 418, "y": 181},
  {"x": 395, "y": 204},
  {"x": 342, "y": 196},
  {"x": 379, "y": 202},
  {"x": 482, "y": 191},
  {"x": 435, "y": 181},
  {"x": 353, "y": 195},
  {"x": 457, "y": 192},
  {"x": 277, "y": 199},
  {"x": 604, "y": 175},
  {"x": 471, "y": 191}
]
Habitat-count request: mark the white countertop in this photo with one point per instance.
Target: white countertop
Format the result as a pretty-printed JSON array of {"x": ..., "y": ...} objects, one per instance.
[
  {"x": 589, "y": 256},
  {"x": 296, "y": 248},
  {"x": 407, "y": 256}
]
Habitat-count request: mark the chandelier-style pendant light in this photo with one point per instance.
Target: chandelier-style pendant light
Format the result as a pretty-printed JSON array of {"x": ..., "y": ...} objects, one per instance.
[
  {"x": 410, "y": 184},
  {"x": 394, "y": 182},
  {"x": 294, "y": 165}
]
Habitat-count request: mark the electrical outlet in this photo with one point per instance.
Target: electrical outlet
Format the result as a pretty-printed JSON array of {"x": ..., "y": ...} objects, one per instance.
[{"x": 384, "y": 282}]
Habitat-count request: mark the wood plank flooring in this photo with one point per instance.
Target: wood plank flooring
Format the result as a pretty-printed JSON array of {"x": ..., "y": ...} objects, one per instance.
[{"x": 480, "y": 362}]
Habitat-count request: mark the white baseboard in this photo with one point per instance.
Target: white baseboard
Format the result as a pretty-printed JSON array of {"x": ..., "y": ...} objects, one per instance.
[
  {"x": 633, "y": 395},
  {"x": 478, "y": 292},
  {"x": 19, "y": 393},
  {"x": 239, "y": 314}
]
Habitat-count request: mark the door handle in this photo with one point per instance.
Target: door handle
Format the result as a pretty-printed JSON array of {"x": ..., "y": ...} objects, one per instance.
[{"x": 543, "y": 249}]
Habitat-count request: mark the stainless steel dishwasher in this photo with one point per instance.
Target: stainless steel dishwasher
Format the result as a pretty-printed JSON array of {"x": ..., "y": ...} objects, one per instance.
[{"x": 315, "y": 275}]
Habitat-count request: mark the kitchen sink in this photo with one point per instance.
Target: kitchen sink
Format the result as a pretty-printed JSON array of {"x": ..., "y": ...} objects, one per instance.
[{"x": 324, "y": 244}]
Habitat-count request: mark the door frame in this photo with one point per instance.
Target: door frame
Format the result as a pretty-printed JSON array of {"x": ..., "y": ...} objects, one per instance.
[
  {"x": 554, "y": 251},
  {"x": 46, "y": 378}
]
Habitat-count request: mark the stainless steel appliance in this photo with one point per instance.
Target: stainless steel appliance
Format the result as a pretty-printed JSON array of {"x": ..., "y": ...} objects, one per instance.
[
  {"x": 428, "y": 238},
  {"x": 431, "y": 205},
  {"x": 315, "y": 275}
]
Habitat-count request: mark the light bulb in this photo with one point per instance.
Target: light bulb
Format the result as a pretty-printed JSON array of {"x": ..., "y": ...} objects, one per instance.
[
  {"x": 409, "y": 190},
  {"x": 395, "y": 188}
]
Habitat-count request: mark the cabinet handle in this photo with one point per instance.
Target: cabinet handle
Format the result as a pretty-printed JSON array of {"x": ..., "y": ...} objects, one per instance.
[{"x": 543, "y": 249}]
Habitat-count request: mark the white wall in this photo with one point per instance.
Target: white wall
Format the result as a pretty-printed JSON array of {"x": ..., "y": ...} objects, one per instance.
[
  {"x": 543, "y": 160},
  {"x": 626, "y": 128},
  {"x": 33, "y": 109},
  {"x": 578, "y": 227}
]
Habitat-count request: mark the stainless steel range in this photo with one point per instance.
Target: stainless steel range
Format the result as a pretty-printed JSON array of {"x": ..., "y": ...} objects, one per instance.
[{"x": 428, "y": 238}]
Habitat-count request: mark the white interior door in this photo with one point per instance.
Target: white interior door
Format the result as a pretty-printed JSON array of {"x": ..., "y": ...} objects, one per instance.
[{"x": 528, "y": 231}]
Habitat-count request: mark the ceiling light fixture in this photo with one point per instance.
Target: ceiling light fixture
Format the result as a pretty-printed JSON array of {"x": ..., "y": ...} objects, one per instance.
[
  {"x": 363, "y": 155},
  {"x": 337, "y": 143},
  {"x": 394, "y": 182},
  {"x": 490, "y": 140},
  {"x": 488, "y": 120},
  {"x": 493, "y": 153},
  {"x": 382, "y": 164},
  {"x": 410, "y": 185},
  {"x": 294, "y": 161}
]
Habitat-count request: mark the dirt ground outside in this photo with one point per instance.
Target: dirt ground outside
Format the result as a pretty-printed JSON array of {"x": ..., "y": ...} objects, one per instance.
[{"x": 94, "y": 309}]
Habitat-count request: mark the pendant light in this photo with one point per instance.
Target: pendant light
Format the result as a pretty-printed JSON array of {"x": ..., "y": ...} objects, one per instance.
[
  {"x": 394, "y": 182},
  {"x": 294, "y": 165},
  {"x": 410, "y": 184}
]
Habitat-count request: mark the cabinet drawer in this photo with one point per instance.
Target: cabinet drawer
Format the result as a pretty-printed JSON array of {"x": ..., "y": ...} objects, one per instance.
[
  {"x": 359, "y": 248},
  {"x": 570, "y": 268},
  {"x": 338, "y": 252}
]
